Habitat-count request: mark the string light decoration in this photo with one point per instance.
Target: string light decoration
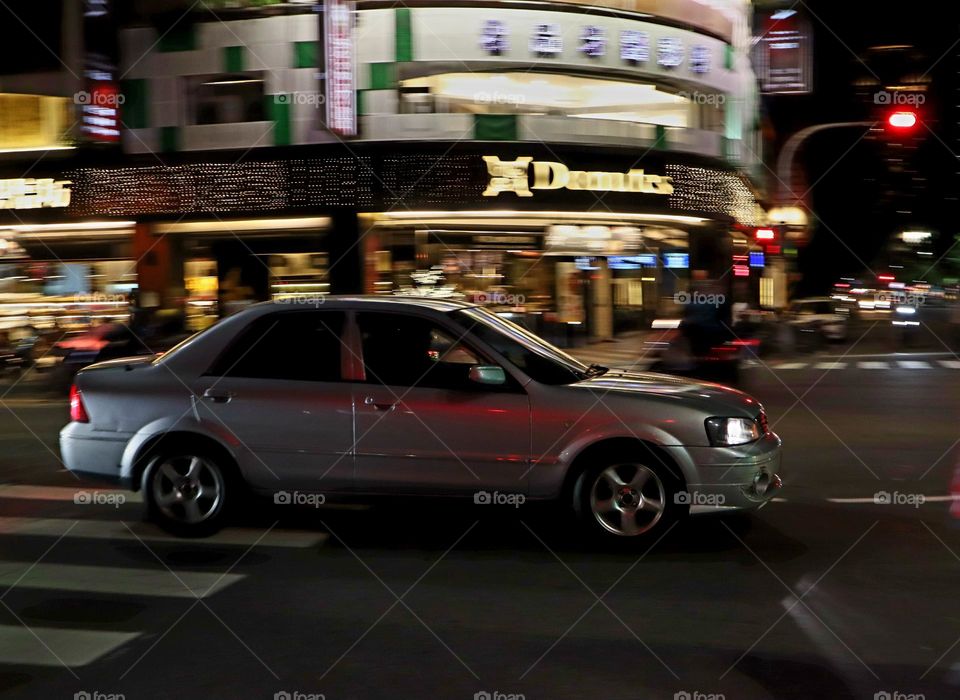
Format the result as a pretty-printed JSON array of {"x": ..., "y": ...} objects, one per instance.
[
  {"x": 222, "y": 187},
  {"x": 432, "y": 181},
  {"x": 717, "y": 192}
]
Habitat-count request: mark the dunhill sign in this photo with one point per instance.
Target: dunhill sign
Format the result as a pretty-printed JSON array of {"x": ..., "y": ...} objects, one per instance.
[{"x": 514, "y": 176}]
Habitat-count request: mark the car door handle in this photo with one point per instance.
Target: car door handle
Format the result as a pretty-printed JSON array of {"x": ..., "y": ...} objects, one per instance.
[
  {"x": 218, "y": 396},
  {"x": 379, "y": 406}
]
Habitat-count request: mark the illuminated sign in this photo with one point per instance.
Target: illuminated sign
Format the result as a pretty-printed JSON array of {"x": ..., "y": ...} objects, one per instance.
[
  {"x": 514, "y": 176},
  {"x": 669, "y": 52},
  {"x": 676, "y": 261},
  {"x": 546, "y": 40},
  {"x": 30, "y": 193},
  {"x": 634, "y": 46},
  {"x": 340, "y": 79},
  {"x": 784, "y": 53},
  {"x": 593, "y": 41},
  {"x": 495, "y": 37}
]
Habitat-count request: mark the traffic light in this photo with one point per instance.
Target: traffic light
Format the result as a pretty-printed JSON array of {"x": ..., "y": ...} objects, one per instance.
[{"x": 902, "y": 120}]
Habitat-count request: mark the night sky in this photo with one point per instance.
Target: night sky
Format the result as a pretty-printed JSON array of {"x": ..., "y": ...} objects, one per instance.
[{"x": 856, "y": 197}]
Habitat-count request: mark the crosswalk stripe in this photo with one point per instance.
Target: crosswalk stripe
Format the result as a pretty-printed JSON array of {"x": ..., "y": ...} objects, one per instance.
[
  {"x": 157, "y": 582},
  {"x": 23, "y": 647},
  {"x": 61, "y": 493},
  {"x": 950, "y": 364},
  {"x": 116, "y": 530},
  {"x": 790, "y": 365},
  {"x": 913, "y": 364},
  {"x": 830, "y": 365},
  {"x": 873, "y": 365}
]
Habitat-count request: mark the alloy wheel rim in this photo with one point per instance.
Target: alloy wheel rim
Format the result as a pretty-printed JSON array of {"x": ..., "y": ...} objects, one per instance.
[
  {"x": 187, "y": 489},
  {"x": 627, "y": 499}
]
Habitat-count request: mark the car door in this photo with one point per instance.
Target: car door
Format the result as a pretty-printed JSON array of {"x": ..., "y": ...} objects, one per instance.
[
  {"x": 423, "y": 426},
  {"x": 278, "y": 392}
]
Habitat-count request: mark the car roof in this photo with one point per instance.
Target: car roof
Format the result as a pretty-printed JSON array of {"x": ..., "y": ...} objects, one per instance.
[{"x": 372, "y": 300}]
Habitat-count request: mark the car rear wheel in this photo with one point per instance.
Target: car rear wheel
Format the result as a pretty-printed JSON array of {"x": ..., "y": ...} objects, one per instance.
[
  {"x": 186, "y": 492},
  {"x": 627, "y": 499}
]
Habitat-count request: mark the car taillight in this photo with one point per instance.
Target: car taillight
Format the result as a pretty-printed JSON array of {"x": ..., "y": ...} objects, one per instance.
[{"x": 78, "y": 411}]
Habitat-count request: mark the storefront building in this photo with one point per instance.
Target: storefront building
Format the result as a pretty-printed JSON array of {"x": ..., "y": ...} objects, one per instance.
[{"x": 569, "y": 163}]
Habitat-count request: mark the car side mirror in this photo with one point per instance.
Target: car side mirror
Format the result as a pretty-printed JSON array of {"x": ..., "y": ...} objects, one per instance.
[{"x": 487, "y": 374}]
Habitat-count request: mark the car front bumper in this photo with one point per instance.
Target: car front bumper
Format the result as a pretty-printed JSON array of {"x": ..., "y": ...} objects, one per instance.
[{"x": 731, "y": 478}]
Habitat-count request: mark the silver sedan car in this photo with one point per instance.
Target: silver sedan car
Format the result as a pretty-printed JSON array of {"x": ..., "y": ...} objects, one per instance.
[{"x": 375, "y": 396}]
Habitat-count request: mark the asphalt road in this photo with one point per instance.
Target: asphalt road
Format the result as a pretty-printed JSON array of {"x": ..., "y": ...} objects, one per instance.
[{"x": 824, "y": 593}]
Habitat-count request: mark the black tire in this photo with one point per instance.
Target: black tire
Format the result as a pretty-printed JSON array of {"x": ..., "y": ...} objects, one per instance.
[
  {"x": 188, "y": 490},
  {"x": 661, "y": 483}
]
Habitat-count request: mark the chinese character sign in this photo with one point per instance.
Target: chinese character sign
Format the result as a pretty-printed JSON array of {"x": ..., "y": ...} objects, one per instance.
[
  {"x": 340, "y": 79},
  {"x": 546, "y": 40},
  {"x": 593, "y": 41},
  {"x": 634, "y": 46},
  {"x": 495, "y": 38},
  {"x": 31, "y": 193}
]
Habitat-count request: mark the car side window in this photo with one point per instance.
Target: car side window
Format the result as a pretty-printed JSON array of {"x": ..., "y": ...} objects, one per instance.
[
  {"x": 298, "y": 345},
  {"x": 407, "y": 351}
]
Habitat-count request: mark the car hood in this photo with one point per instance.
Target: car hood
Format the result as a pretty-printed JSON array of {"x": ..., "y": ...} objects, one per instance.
[{"x": 714, "y": 399}]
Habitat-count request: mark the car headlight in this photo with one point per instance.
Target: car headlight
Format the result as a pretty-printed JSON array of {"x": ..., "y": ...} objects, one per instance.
[{"x": 724, "y": 432}]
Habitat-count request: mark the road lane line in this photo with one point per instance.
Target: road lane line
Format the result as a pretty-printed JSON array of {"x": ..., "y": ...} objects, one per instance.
[
  {"x": 74, "y": 647},
  {"x": 873, "y": 365},
  {"x": 80, "y": 578},
  {"x": 790, "y": 365},
  {"x": 61, "y": 493},
  {"x": 117, "y": 530},
  {"x": 830, "y": 365},
  {"x": 950, "y": 364},
  {"x": 914, "y": 364}
]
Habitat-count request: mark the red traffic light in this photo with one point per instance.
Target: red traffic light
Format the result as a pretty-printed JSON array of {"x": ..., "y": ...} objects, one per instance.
[{"x": 902, "y": 120}]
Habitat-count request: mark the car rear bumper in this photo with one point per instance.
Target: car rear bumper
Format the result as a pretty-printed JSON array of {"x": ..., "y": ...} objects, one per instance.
[
  {"x": 93, "y": 454},
  {"x": 732, "y": 478}
]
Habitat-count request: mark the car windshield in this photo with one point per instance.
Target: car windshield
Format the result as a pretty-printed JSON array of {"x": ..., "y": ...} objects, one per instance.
[{"x": 537, "y": 358}]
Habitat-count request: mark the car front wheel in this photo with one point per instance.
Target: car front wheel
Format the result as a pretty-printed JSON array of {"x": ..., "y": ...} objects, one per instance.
[
  {"x": 186, "y": 492},
  {"x": 627, "y": 498}
]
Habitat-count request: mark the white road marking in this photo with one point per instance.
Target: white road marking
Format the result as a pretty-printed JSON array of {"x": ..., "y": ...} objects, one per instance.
[
  {"x": 950, "y": 364},
  {"x": 830, "y": 365},
  {"x": 913, "y": 364},
  {"x": 873, "y": 365},
  {"x": 870, "y": 499},
  {"x": 116, "y": 530},
  {"x": 21, "y": 646},
  {"x": 155, "y": 582},
  {"x": 791, "y": 365},
  {"x": 61, "y": 493}
]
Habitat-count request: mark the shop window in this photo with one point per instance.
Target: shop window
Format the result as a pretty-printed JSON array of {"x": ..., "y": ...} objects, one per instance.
[
  {"x": 299, "y": 346},
  {"x": 225, "y": 99}
]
